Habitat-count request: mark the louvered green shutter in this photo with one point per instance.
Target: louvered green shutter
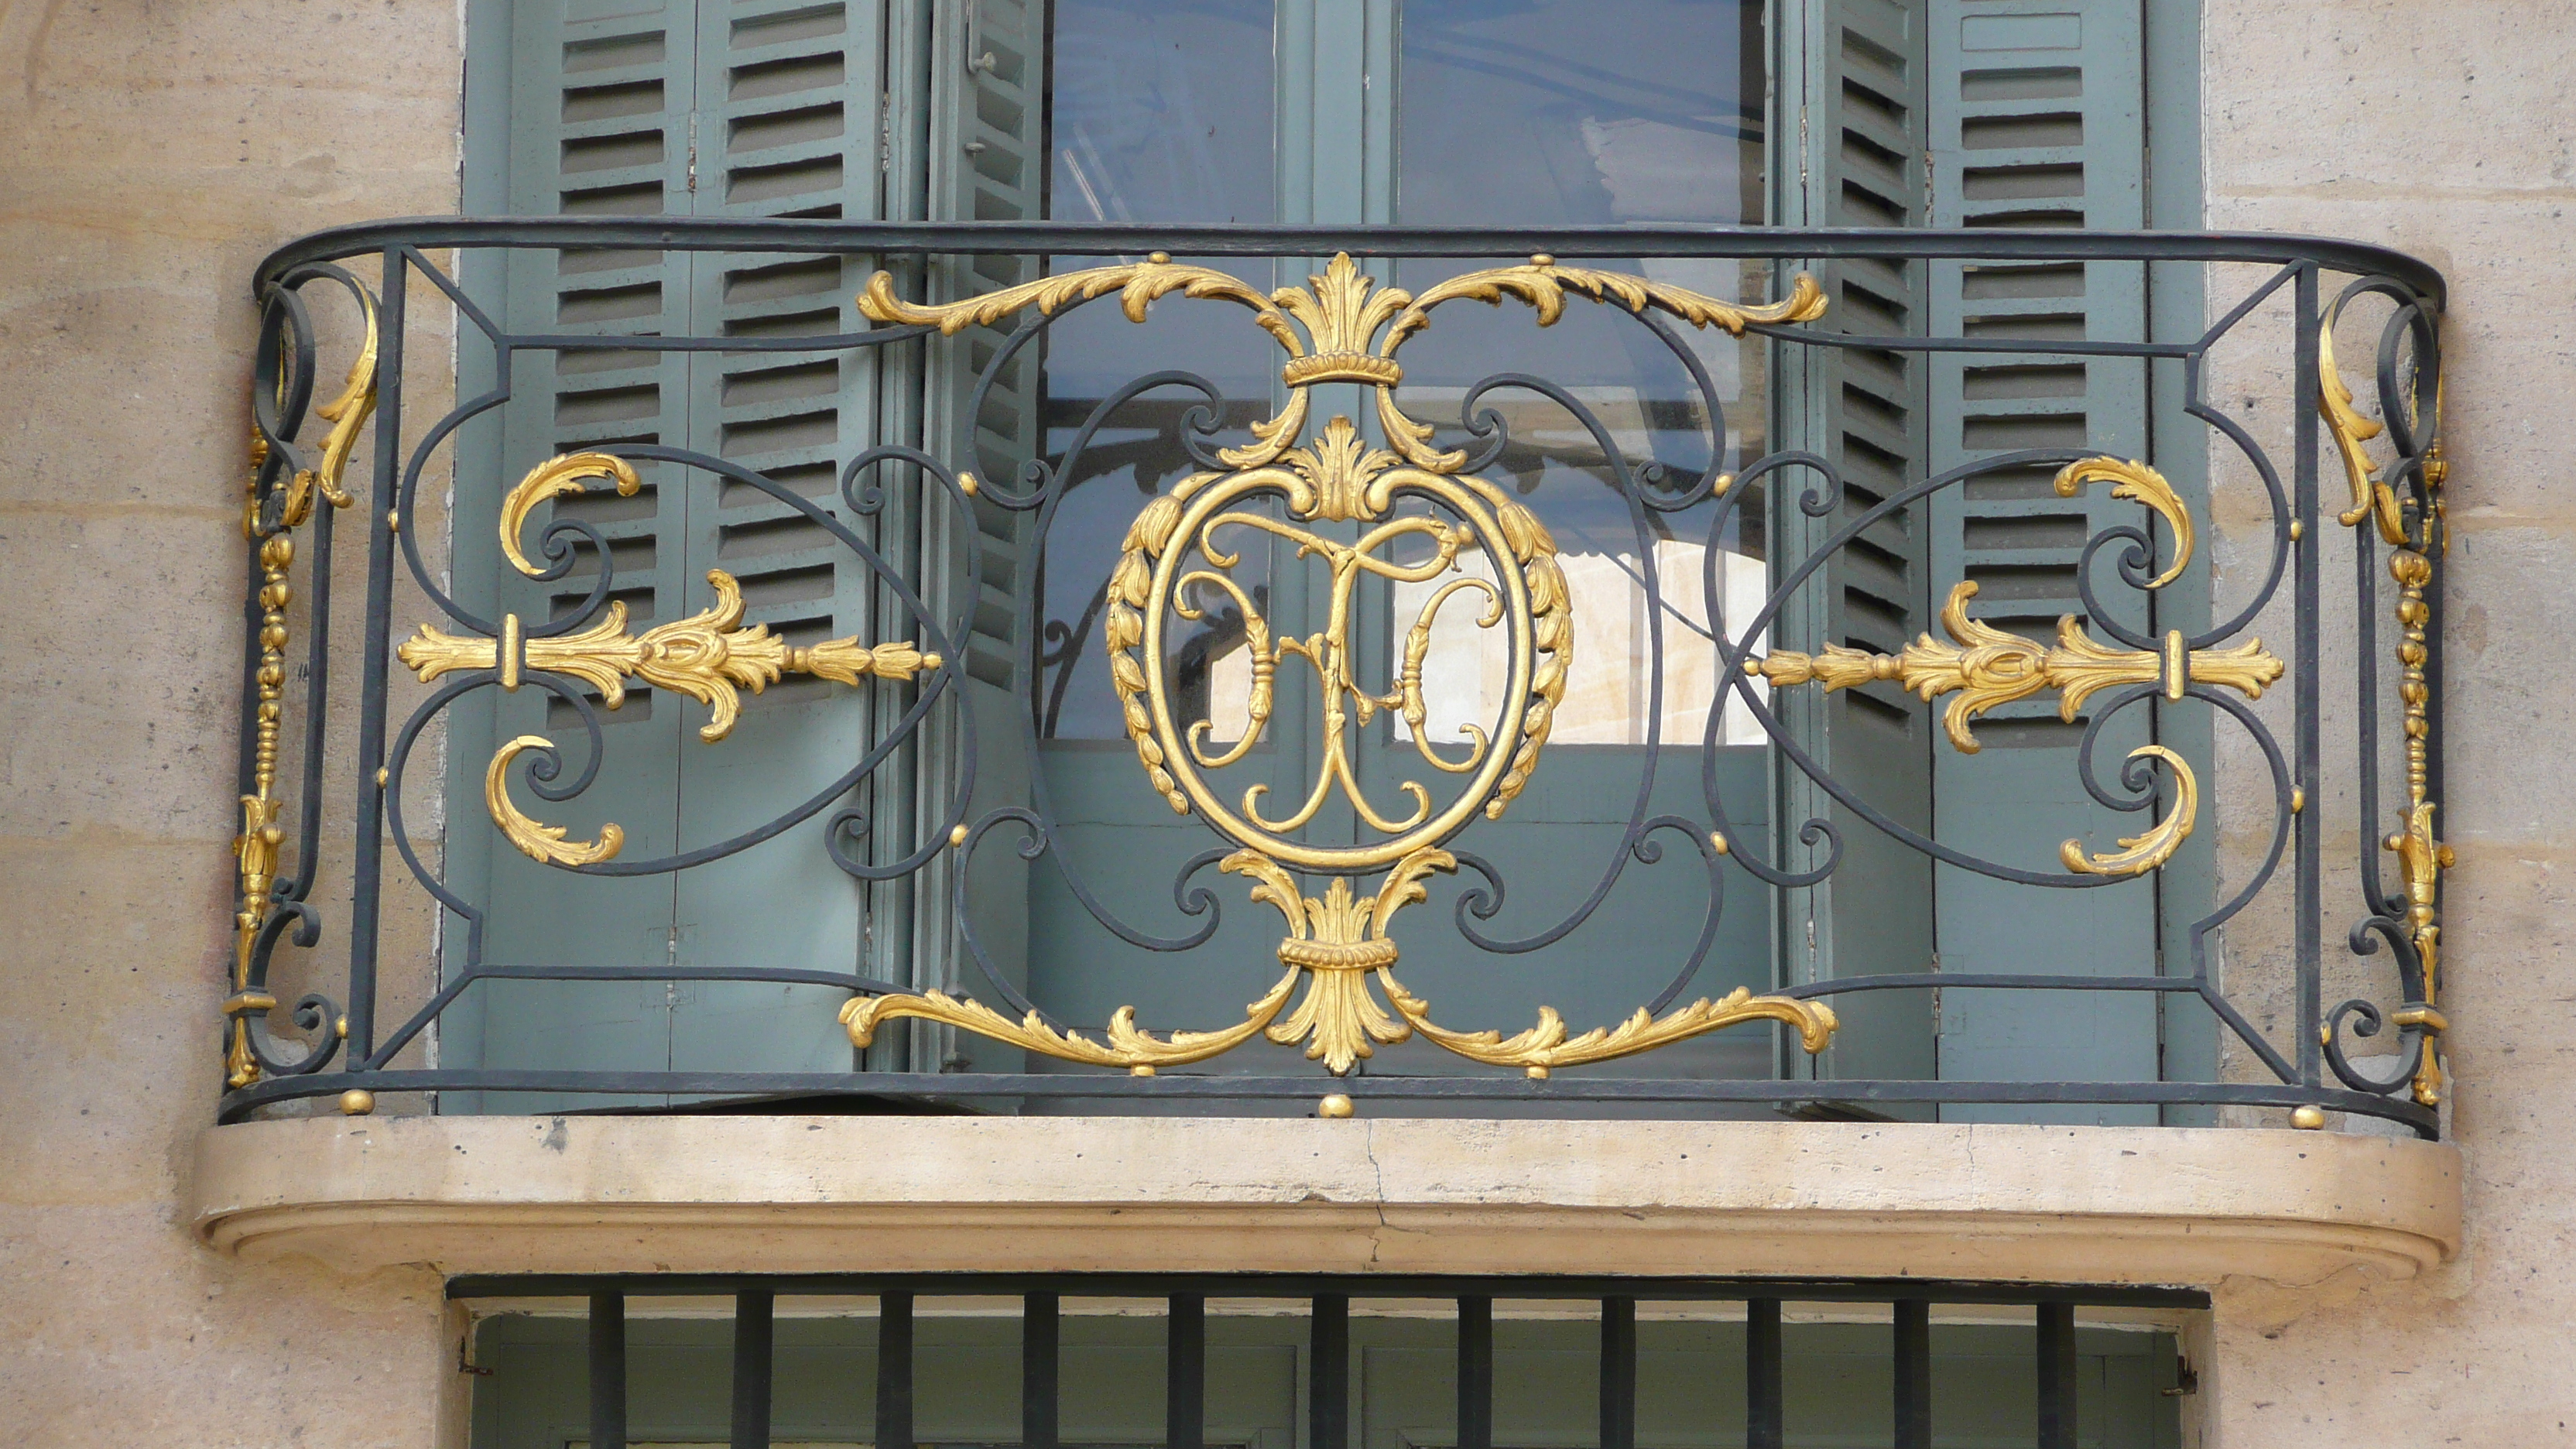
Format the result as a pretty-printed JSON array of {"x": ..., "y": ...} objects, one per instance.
[
  {"x": 1853, "y": 96},
  {"x": 786, "y": 127},
  {"x": 2038, "y": 120},
  {"x": 987, "y": 162},
  {"x": 586, "y": 112},
  {"x": 630, "y": 107},
  {"x": 985, "y": 159}
]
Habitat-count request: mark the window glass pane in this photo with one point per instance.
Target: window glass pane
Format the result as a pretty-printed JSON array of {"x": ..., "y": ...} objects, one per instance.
[
  {"x": 1588, "y": 113},
  {"x": 1580, "y": 112},
  {"x": 1161, "y": 113}
]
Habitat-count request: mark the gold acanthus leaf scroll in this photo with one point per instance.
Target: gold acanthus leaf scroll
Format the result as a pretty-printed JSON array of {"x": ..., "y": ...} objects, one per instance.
[
  {"x": 1987, "y": 667},
  {"x": 1543, "y": 284},
  {"x": 346, "y": 413},
  {"x": 2139, "y": 484},
  {"x": 705, "y": 656},
  {"x": 2139, "y": 854},
  {"x": 552, "y": 478},
  {"x": 1351, "y": 327},
  {"x": 534, "y": 838},
  {"x": 2372, "y": 498},
  {"x": 1337, "y": 940},
  {"x": 1139, "y": 1051},
  {"x": 1547, "y": 1046}
]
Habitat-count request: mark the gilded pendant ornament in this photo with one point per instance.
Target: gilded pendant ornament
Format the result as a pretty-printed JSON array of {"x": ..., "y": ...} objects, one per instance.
[
  {"x": 2421, "y": 857},
  {"x": 2418, "y": 529},
  {"x": 1334, "y": 499},
  {"x": 257, "y": 848}
]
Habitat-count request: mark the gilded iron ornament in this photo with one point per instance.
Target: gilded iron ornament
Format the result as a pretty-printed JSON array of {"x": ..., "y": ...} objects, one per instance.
[
  {"x": 2417, "y": 528},
  {"x": 707, "y": 656},
  {"x": 1985, "y": 667},
  {"x": 1342, "y": 329},
  {"x": 257, "y": 849}
]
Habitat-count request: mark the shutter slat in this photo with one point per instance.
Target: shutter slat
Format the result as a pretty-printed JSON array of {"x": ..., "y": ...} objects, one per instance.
[{"x": 786, "y": 127}]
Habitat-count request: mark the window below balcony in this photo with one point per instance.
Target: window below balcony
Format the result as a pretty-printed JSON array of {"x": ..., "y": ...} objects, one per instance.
[{"x": 1249, "y": 1363}]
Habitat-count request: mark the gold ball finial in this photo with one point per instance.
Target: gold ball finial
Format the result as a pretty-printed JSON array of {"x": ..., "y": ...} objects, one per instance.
[
  {"x": 1542, "y": 259},
  {"x": 1335, "y": 1106},
  {"x": 957, "y": 834},
  {"x": 2308, "y": 1119},
  {"x": 357, "y": 1102},
  {"x": 1158, "y": 258}
]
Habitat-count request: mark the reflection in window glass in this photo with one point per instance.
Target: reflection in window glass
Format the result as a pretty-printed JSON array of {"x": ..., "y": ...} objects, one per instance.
[
  {"x": 1580, "y": 112},
  {"x": 1149, "y": 123},
  {"x": 1588, "y": 113}
]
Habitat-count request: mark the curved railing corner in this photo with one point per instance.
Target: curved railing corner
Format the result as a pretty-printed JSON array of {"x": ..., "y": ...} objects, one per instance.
[{"x": 1387, "y": 500}]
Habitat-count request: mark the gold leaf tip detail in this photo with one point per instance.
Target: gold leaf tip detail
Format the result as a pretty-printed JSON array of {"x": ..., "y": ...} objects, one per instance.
[
  {"x": 1126, "y": 1046},
  {"x": 2141, "y": 853},
  {"x": 567, "y": 473},
  {"x": 2138, "y": 483},
  {"x": 538, "y": 841},
  {"x": 1547, "y": 1046}
]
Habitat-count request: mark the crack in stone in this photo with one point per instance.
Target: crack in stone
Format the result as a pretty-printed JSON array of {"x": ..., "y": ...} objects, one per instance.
[{"x": 1368, "y": 1145}]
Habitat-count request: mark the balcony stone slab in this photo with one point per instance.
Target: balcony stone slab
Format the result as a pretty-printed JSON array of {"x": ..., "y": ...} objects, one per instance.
[{"x": 1131, "y": 1194}]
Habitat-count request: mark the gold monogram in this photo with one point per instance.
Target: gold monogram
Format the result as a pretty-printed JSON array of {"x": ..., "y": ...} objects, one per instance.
[{"x": 1185, "y": 546}]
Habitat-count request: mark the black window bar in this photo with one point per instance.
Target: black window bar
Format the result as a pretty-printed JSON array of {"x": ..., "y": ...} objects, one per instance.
[{"x": 1329, "y": 1318}]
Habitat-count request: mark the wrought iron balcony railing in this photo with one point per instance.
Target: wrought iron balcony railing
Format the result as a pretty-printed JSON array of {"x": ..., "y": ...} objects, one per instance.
[{"x": 1631, "y": 681}]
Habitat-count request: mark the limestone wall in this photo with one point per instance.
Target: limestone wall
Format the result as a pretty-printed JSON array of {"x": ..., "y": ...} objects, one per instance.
[
  {"x": 2446, "y": 131},
  {"x": 149, "y": 154}
]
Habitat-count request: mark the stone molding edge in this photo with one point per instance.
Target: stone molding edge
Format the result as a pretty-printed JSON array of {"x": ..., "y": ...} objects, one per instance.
[{"x": 821, "y": 1194}]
